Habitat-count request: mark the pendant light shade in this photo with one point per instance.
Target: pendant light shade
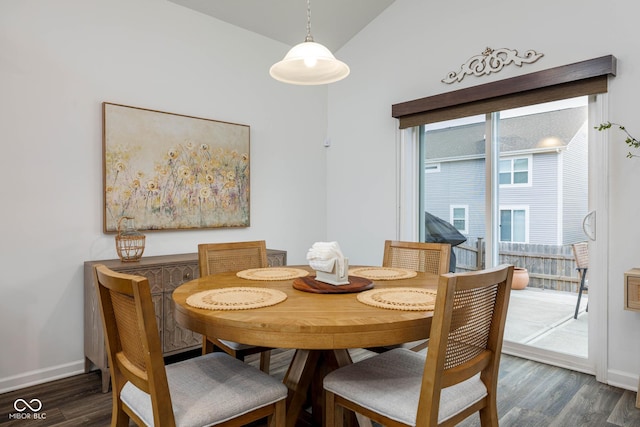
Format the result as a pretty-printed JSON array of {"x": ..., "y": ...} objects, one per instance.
[{"x": 309, "y": 63}]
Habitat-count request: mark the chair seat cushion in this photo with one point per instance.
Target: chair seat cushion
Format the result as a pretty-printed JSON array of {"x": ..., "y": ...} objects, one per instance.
[
  {"x": 208, "y": 390},
  {"x": 236, "y": 345},
  {"x": 409, "y": 345},
  {"x": 389, "y": 384}
]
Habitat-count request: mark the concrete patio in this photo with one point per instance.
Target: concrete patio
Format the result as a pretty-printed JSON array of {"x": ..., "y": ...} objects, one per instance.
[{"x": 544, "y": 319}]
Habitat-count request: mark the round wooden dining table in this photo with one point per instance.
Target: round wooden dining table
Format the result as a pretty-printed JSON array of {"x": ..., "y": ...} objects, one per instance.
[{"x": 321, "y": 327}]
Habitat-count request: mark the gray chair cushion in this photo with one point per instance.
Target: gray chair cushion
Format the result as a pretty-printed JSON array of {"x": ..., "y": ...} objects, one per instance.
[
  {"x": 389, "y": 384},
  {"x": 208, "y": 390},
  {"x": 236, "y": 345}
]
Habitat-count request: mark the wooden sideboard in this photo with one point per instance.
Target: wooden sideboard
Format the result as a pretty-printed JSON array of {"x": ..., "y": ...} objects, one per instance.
[
  {"x": 632, "y": 289},
  {"x": 632, "y": 302},
  {"x": 165, "y": 273}
]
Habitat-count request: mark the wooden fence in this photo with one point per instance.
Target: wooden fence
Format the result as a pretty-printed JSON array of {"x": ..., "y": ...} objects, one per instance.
[{"x": 549, "y": 266}]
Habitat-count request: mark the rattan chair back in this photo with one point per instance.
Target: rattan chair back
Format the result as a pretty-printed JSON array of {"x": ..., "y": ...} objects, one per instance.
[
  {"x": 135, "y": 357},
  {"x": 234, "y": 256},
  {"x": 132, "y": 339},
  {"x": 466, "y": 338},
  {"x": 459, "y": 375},
  {"x": 581, "y": 254},
  {"x": 216, "y": 258},
  {"x": 418, "y": 256}
]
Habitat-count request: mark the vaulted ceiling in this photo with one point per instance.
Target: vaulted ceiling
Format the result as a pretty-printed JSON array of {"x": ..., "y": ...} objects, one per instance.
[{"x": 333, "y": 22}]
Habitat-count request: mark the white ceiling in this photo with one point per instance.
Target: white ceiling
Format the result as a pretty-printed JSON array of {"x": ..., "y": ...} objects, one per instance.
[{"x": 333, "y": 22}]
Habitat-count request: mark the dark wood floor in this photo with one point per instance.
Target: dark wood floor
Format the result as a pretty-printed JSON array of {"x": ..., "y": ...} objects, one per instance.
[{"x": 530, "y": 394}]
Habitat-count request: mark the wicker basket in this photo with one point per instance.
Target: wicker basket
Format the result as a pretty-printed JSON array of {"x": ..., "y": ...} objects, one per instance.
[{"x": 129, "y": 243}]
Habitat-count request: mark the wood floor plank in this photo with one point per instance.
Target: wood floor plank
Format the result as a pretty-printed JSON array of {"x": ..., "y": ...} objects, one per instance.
[
  {"x": 530, "y": 394},
  {"x": 553, "y": 391},
  {"x": 625, "y": 413},
  {"x": 591, "y": 405},
  {"x": 521, "y": 417}
]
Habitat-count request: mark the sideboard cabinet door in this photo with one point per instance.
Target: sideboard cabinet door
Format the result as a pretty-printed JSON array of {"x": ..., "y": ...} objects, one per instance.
[{"x": 176, "y": 339}]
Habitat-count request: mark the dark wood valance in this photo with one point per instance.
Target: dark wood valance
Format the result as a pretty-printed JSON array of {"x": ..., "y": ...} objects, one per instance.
[{"x": 567, "y": 81}]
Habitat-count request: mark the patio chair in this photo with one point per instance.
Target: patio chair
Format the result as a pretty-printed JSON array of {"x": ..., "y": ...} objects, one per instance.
[
  {"x": 581, "y": 254},
  {"x": 235, "y": 256},
  {"x": 458, "y": 376},
  {"x": 213, "y": 389}
]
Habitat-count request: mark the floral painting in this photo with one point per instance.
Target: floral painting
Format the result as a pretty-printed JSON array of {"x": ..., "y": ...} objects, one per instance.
[{"x": 170, "y": 171}]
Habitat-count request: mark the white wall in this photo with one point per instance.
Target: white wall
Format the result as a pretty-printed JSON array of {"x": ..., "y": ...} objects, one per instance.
[
  {"x": 404, "y": 54},
  {"x": 59, "y": 60}
]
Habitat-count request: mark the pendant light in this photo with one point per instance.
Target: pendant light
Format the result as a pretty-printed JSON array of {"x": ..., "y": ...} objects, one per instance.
[{"x": 309, "y": 63}]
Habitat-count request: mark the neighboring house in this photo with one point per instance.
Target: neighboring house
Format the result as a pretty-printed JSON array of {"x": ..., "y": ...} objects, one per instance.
[{"x": 542, "y": 174}]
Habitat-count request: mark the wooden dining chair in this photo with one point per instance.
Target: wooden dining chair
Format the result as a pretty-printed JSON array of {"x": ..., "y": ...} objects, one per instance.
[
  {"x": 213, "y": 389},
  {"x": 458, "y": 376},
  {"x": 418, "y": 256},
  {"x": 581, "y": 254},
  {"x": 233, "y": 256}
]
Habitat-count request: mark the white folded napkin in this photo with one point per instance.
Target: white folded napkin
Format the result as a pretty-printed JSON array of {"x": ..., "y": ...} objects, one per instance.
[{"x": 323, "y": 256}]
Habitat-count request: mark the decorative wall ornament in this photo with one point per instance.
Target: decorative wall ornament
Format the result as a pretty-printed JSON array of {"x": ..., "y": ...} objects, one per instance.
[{"x": 491, "y": 61}]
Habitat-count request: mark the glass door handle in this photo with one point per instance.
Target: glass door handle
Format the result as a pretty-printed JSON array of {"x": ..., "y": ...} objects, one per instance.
[{"x": 589, "y": 225}]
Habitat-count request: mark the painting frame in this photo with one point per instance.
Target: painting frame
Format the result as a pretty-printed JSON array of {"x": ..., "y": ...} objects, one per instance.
[{"x": 173, "y": 172}]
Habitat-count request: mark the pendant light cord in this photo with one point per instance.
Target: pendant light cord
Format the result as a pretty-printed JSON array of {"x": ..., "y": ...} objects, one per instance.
[{"x": 309, "y": 38}]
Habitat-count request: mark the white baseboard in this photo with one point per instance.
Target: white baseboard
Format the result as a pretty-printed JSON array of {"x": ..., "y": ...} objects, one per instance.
[
  {"x": 623, "y": 380},
  {"x": 40, "y": 376},
  {"x": 560, "y": 360}
]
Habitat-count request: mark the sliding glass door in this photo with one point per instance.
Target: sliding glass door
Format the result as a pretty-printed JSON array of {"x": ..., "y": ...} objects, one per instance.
[{"x": 514, "y": 183}]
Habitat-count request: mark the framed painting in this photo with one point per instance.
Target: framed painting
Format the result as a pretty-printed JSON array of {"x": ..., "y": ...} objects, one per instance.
[{"x": 171, "y": 172}]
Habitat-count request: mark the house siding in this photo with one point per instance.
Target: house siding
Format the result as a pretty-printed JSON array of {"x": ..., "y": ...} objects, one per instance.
[
  {"x": 575, "y": 187},
  {"x": 458, "y": 183},
  {"x": 541, "y": 197},
  {"x": 463, "y": 183},
  {"x": 556, "y": 199}
]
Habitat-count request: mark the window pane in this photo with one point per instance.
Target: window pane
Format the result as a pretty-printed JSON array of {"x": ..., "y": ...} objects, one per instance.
[
  {"x": 459, "y": 218},
  {"x": 457, "y": 193},
  {"x": 519, "y": 226},
  {"x": 520, "y": 177},
  {"x": 521, "y": 164},
  {"x": 505, "y": 226},
  {"x": 504, "y": 176}
]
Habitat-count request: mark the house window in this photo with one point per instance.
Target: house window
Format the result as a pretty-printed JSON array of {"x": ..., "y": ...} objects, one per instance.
[
  {"x": 459, "y": 217},
  {"x": 515, "y": 171},
  {"x": 514, "y": 224}
]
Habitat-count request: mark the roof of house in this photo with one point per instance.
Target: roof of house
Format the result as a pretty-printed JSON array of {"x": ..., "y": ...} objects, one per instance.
[{"x": 540, "y": 132}]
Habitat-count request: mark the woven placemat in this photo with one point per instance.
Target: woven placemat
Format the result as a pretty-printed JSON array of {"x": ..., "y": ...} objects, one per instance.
[
  {"x": 383, "y": 273},
  {"x": 236, "y": 298},
  {"x": 398, "y": 298},
  {"x": 272, "y": 273}
]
